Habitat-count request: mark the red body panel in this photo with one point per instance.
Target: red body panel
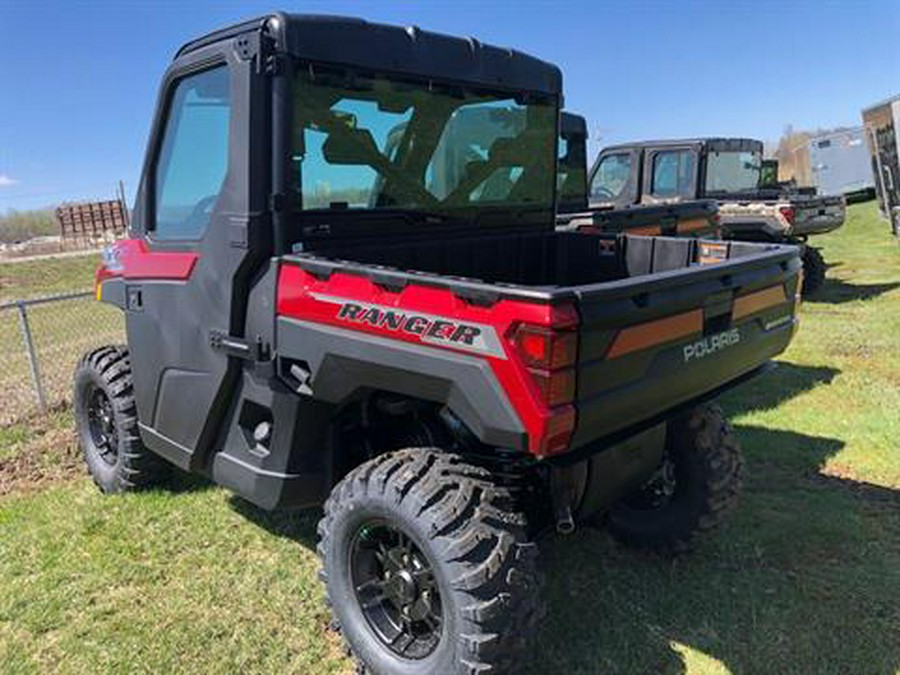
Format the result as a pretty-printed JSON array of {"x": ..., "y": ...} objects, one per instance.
[
  {"x": 302, "y": 296},
  {"x": 133, "y": 259}
]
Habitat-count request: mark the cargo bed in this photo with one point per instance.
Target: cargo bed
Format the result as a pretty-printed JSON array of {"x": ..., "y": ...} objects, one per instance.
[{"x": 660, "y": 320}]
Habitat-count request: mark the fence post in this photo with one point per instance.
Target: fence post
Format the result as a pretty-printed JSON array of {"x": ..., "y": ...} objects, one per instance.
[{"x": 32, "y": 357}]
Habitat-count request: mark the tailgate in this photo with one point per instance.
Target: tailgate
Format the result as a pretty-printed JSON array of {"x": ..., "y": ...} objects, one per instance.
[
  {"x": 818, "y": 215},
  {"x": 703, "y": 314},
  {"x": 695, "y": 219}
]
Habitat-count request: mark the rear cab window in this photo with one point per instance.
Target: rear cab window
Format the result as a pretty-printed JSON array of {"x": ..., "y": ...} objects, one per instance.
[
  {"x": 369, "y": 142},
  {"x": 572, "y": 176}
]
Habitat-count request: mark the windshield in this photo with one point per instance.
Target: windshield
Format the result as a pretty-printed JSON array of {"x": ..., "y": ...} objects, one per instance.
[
  {"x": 732, "y": 171},
  {"x": 369, "y": 143}
]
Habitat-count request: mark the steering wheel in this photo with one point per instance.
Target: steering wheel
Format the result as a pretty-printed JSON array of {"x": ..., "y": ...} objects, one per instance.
[{"x": 602, "y": 192}]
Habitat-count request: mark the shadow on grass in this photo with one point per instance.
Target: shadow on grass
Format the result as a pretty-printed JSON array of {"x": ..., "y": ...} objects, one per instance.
[
  {"x": 296, "y": 524},
  {"x": 771, "y": 389},
  {"x": 837, "y": 291},
  {"x": 183, "y": 482},
  {"x": 802, "y": 579}
]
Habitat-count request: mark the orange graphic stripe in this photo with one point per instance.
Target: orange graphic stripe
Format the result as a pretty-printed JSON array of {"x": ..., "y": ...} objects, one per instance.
[
  {"x": 745, "y": 305},
  {"x": 667, "y": 329}
]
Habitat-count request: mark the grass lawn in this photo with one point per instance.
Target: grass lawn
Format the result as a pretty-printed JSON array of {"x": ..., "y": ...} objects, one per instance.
[
  {"x": 61, "y": 330},
  {"x": 21, "y": 280},
  {"x": 805, "y": 578}
]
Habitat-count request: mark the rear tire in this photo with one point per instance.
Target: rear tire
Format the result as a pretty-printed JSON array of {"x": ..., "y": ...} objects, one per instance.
[
  {"x": 700, "y": 482},
  {"x": 107, "y": 425},
  {"x": 813, "y": 270},
  {"x": 469, "y": 570}
]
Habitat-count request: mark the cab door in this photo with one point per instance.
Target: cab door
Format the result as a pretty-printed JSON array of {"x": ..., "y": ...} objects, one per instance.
[
  {"x": 671, "y": 174},
  {"x": 198, "y": 218},
  {"x": 615, "y": 178}
]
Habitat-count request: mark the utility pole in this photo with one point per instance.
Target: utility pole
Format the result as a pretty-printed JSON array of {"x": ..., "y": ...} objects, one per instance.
[{"x": 125, "y": 212}]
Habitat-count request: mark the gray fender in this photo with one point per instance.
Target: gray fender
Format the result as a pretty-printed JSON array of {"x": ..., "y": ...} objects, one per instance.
[{"x": 343, "y": 362}]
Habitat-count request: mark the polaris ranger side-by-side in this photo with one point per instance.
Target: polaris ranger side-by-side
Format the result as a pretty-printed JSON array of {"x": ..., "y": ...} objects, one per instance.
[
  {"x": 317, "y": 314},
  {"x": 729, "y": 171},
  {"x": 575, "y": 211}
]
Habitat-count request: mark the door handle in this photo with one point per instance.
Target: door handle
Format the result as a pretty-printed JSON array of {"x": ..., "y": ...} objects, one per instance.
[{"x": 134, "y": 298}]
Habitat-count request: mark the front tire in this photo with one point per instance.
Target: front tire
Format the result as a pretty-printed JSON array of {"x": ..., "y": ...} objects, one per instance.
[
  {"x": 426, "y": 567},
  {"x": 697, "y": 486},
  {"x": 813, "y": 270},
  {"x": 107, "y": 425}
]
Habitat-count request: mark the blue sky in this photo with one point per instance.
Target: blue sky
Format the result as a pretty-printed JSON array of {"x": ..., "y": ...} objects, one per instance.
[{"x": 79, "y": 80}]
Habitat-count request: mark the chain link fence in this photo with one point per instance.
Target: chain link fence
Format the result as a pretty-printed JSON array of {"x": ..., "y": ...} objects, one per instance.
[{"x": 41, "y": 340}]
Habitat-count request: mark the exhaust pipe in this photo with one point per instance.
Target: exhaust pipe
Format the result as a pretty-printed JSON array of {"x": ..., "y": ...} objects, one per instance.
[
  {"x": 566, "y": 489},
  {"x": 565, "y": 523}
]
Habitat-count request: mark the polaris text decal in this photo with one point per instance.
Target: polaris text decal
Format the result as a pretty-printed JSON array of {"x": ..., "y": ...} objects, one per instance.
[
  {"x": 428, "y": 328},
  {"x": 711, "y": 345}
]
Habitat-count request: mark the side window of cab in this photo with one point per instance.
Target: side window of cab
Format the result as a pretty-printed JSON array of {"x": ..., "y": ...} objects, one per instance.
[
  {"x": 192, "y": 162},
  {"x": 611, "y": 177},
  {"x": 673, "y": 174}
]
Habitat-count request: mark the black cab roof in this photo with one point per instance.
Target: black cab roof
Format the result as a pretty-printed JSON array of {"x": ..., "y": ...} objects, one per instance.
[
  {"x": 572, "y": 125},
  {"x": 710, "y": 143},
  {"x": 409, "y": 50}
]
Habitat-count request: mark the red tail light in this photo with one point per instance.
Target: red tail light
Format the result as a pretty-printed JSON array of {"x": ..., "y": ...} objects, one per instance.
[
  {"x": 546, "y": 348},
  {"x": 788, "y": 214},
  {"x": 557, "y": 387},
  {"x": 549, "y": 353},
  {"x": 559, "y": 431}
]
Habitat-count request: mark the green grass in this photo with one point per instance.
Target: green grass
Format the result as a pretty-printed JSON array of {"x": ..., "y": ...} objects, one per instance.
[
  {"x": 34, "y": 278},
  {"x": 805, "y": 578},
  {"x": 61, "y": 331}
]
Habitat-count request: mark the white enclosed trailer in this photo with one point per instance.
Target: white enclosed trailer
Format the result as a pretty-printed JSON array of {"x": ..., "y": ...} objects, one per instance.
[{"x": 840, "y": 165}]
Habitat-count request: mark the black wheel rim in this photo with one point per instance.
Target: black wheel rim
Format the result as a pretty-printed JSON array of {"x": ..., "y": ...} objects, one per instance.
[
  {"x": 102, "y": 425},
  {"x": 396, "y": 590}
]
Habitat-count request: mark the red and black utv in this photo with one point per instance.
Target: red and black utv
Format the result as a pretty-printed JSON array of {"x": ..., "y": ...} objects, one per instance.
[{"x": 336, "y": 294}]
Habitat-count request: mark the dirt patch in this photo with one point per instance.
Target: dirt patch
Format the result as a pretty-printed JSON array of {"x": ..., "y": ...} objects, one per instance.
[{"x": 46, "y": 453}]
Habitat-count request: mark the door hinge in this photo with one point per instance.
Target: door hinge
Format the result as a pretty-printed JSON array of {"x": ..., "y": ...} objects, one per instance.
[
  {"x": 238, "y": 347},
  {"x": 275, "y": 64}
]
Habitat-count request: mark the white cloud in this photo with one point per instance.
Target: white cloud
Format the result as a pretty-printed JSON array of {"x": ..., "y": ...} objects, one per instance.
[{"x": 7, "y": 181}]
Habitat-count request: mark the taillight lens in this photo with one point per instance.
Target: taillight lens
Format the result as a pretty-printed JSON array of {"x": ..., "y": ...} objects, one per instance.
[
  {"x": 556, "y": 387},
  {"x": 559, "y": 432},
  {"x": 546, "y": 348},
  {"x": 549, "y": 353},
  {"x": 788, "y": 214}
]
